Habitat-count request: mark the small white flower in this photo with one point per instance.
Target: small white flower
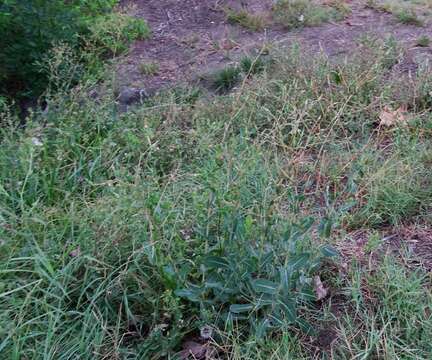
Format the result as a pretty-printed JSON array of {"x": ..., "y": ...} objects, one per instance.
[
  {"x": 301, "y": 18},
  {"x": 36, "y": 141}
]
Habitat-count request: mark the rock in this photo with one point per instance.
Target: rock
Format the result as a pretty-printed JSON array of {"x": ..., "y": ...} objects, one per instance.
[{"x": 130, "y": 95}]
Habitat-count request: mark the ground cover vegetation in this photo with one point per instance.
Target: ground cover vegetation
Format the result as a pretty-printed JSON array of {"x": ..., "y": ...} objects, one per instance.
[{"x": 223, "y": 225}]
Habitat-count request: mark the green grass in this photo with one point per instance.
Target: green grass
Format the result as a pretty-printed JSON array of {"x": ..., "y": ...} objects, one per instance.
[
  {"x": 299, "y": 13},
  {"x": 149, "y": 68},
  {"x": 123, "y": 234},
  {"x": 416, "y": 12},
  {"x": 253, "y": 22},
  {"x": 226, "y": 78},
  {"x": 423, "y": 41},
  {"x": 408, "y": 17},
  {"x": 112, "y": 34},
  {"x": 252, "y": 66}
]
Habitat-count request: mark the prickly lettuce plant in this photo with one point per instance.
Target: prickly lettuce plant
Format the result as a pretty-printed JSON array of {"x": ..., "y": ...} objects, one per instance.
[{"x": 261, "y": 283}]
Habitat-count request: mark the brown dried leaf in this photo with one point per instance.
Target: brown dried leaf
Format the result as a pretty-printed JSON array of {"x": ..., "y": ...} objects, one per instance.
[
  {"x": 320, "y": 291},
  {"x": 206, "y": 332},
  {"x": 390, "y": 117},
  {"x": 193, "y": 350}
]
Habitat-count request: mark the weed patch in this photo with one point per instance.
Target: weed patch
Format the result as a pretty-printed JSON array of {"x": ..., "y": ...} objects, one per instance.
[
  {"x": 299, "y": 13},
  {"x": 127, "y": 234},
  {"x": 253, "y": 22}
]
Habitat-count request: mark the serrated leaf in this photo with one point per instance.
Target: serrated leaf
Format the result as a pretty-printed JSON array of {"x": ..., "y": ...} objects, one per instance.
[
  {"x": 329, "y": 251},
  {"x": 241, "y": 308},
  {"x": 264, "y": 286},
  {"x": 216, "y": 262}
]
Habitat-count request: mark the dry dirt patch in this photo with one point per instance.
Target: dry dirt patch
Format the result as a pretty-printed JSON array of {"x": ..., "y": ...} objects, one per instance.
[{"x": 193, "y": 37}]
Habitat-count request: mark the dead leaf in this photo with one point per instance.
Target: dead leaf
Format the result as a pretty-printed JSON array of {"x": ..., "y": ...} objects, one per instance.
[
  {"x": 320, "y": 291},
  {"x": 206, "y": 332},
  {"x": 390, "y": 117},
  {"x": 193, "y": 350}
]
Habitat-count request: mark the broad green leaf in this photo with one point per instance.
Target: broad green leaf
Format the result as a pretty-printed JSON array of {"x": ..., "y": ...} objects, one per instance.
[
  {"x": 298, "y": 262},
  {"x": 191, "y": 295},
  {"x": 262, "y": 327},
  {"x": 307, "y": 223},
  {"x": 285, "y": 275},
  {"x": 325, "y": 227},
  {"x": 276, "y": 317},
  {"x": 264, "y": 286},
  {"x": 216, "y": 262},
  {"x": 241, "y": 308},
  {"x": 267, "y": 258},
  {"x": 264, "y": 300},
  {"x": 288, "y": 307},
  {"x": 329, "y": 251}
]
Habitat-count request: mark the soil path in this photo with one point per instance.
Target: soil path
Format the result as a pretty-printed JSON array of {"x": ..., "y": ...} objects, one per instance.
[{"x": 192, "y": 37}]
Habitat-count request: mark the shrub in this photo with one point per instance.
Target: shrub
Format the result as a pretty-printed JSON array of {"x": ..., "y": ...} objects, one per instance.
[{"x": 30, "y": 29}]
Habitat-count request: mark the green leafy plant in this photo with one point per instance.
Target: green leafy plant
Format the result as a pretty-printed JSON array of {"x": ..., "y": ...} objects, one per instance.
[{"x": 264, "y": 285}]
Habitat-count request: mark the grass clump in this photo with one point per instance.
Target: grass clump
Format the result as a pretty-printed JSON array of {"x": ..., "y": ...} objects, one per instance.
[
  {"x": 226, "y": 78},
  {"x": 386, "y": 327},
  {"x": 423, "y": 41},
  {"x": 252, "y": 66},
  {"x": 111, "y": 34},
  {"x": 409, "y": 13},
  {"x": 253, "y": 22},
  {"x": 149, "y": 68},
  {"x": 408, "y": 17},
  {"x": 299, "y": 13}
]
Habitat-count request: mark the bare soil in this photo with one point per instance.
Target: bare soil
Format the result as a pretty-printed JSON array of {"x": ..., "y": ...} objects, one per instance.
[{"x": 193, "y": 37}]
